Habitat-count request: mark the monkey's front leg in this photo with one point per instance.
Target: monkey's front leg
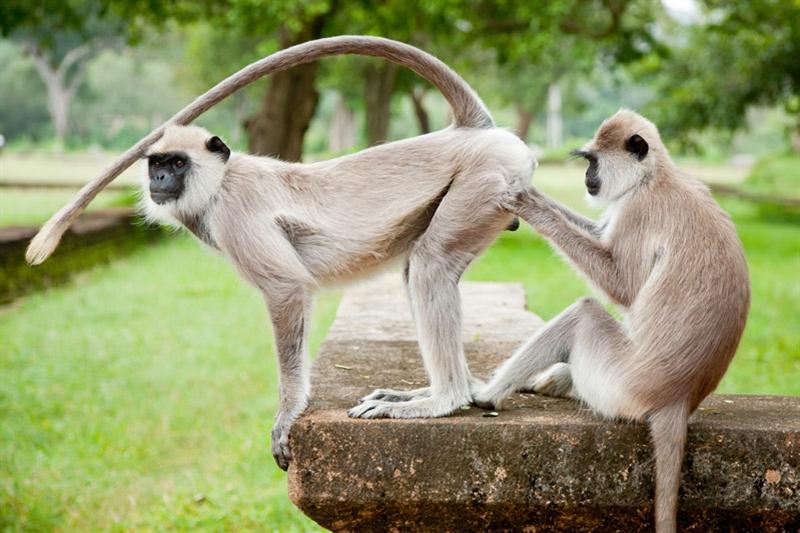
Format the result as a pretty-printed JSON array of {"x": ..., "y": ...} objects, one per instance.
[
  {"x": 288, "y": 308},
  {"x": 583, "y": 249}
]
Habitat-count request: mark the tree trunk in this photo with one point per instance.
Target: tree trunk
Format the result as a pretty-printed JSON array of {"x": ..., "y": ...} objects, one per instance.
[
  {"x": 278, "y": 128},
  {"x": 60, "y": 90},
  {"x": 58, "y": 100},
  {"x": 554, "y": 124},
  {"x": 423, "y": 119},
  {"x": 379, "y": 81},
  {"x": 342, "y": 133},
  {"x": 524, "y": 121}
]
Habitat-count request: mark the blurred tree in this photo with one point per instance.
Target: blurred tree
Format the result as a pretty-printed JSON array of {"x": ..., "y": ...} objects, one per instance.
[
  {"x": 539, "y": 44},
  {"x": 213, "y": 52},
  {"x": 278, "y": 126},
  {"x": 741, "y": 54},
  {"x": 520, "y": 35},
  {"x": 61, "y": 38},
  {"x": 23, "y": 99},
  {"x": 126, "y": 94}
]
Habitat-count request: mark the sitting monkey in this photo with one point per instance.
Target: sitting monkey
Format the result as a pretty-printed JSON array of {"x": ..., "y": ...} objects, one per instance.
[{"x": 669, "y": 257}]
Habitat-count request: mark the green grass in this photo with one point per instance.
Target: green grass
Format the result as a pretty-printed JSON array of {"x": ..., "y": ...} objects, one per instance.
[
  {"x": 777, "y": 174},
  {"x": 129, "y": 393},
  {"x": 140, "y": 396},
  {"x": 67, "y": 167},
  {"x": 33, "y": 206}
]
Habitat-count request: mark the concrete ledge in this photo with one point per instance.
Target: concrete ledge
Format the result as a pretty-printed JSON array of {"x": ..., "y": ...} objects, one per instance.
[{"x": 541, "y": 465}]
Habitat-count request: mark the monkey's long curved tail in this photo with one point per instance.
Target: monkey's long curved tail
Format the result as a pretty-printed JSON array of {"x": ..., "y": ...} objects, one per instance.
[
  {"x": 668, "y": 428},
  {"x": 468, "y": 111}
]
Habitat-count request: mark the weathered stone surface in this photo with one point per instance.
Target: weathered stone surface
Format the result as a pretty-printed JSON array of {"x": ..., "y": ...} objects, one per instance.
[{"x": 541, "y": 465}]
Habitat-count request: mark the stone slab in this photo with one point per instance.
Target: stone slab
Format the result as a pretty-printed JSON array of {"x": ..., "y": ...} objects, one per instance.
[{"x": 543, "y": 464}]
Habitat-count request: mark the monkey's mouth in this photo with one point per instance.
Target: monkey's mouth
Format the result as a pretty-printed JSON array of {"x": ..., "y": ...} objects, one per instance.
[
  {"x": 162, "y": 197},
  {"x": 593, "y": 189}
]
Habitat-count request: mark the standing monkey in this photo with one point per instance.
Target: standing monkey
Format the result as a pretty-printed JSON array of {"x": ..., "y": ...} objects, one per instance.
[
  {"x": 669, "y": 257},
  {"x": 434, "y": 202}
]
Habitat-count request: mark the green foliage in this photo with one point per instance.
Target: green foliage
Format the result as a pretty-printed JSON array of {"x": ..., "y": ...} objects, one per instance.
[
  {"x": 744, "y": 54},
  {"x": 777, "y": 174},
  {"x": 23, "y": 99},
  {"x": 29, "y": 207},
  {"x": 126, "y": 94}
]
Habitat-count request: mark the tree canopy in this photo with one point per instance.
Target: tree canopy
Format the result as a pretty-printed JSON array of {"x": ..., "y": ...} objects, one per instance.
[{"x": 707, "y": 73}]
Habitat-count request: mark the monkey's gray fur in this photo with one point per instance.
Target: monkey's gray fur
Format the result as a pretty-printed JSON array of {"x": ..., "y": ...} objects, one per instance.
[
  {"x": 669, "y": 257},
  {"x": 434, "y": 202}
]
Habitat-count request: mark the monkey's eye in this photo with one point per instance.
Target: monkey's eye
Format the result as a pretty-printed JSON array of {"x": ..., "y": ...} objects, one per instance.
[
  {"x": 179, "y": 163},
  {"x": 156, "y": 163}
]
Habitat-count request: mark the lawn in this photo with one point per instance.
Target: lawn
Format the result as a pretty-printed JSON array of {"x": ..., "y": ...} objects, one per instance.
[
  {"x": 34, "y": 206},
  {"x": 139, "y": 397}
]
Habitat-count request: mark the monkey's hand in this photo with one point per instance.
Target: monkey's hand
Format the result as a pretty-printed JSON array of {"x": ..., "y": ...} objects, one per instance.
[
  {"x": 280, "y": 441},
  {"x": 528, "y": 201},
  {"x": 493, "y": 394},
  {"x": 485, "y": 401}
]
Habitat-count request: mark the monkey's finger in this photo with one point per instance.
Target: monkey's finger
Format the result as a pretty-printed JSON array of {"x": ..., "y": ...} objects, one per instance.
[
  {"x": 368, "y": 409},
  {"x": 484, "y": 403},
  {"x": 282, "y": 456}
]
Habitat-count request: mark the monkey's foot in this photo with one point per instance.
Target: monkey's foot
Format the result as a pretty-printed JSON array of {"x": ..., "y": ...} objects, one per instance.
[
  {"x": 555, "y": 381},
  {"x": 393, "y": 395},
  {"x": 280, "y": 445},
  {"x": 430, "y": 407}
]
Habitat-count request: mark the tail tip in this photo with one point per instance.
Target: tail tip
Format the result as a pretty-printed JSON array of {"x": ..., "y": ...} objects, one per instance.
[{"x": 41, "y": 247}]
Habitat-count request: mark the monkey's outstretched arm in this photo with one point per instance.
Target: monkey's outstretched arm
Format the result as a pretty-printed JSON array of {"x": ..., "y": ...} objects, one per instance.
[
  {"x": 289, "y": 311},
  {"x": 577, "y": 219},
  {"x": 270, "y": 262},
  {"x": 582, "y": 248}
]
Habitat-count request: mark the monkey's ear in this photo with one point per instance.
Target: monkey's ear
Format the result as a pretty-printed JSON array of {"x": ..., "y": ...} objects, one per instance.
[
  {"x": 637, "y": 146},
  {"x": 215, "y": 145}
]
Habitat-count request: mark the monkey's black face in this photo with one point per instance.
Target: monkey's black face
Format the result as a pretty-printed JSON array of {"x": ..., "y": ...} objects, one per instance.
[
  {"x": 592, "y": 177},
  {"x": 167, "y": 174}
]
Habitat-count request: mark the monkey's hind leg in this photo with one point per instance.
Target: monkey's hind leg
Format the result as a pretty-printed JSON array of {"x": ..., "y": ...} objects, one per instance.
[
  {"x": 593, "y": 344},
  {"x": 467, "y": 220},
  {"x": 550, "y": 345}
]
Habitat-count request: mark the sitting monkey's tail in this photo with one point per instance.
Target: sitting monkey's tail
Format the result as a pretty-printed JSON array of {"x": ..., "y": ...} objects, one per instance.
[
  {"x": 468, "y": 111},
  {"x": 668, "y": 428}
]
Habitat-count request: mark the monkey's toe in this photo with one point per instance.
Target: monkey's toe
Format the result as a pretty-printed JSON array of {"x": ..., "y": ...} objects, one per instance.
[
  {"x": 280, "y": 448},
  {"x": 429, "y": 407},
  {"x": 483, "y": 403},
  {"x": 366, "y": 409},
  {"x": 392, "y": 395},
  {"x": 282, "y": 455}
]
